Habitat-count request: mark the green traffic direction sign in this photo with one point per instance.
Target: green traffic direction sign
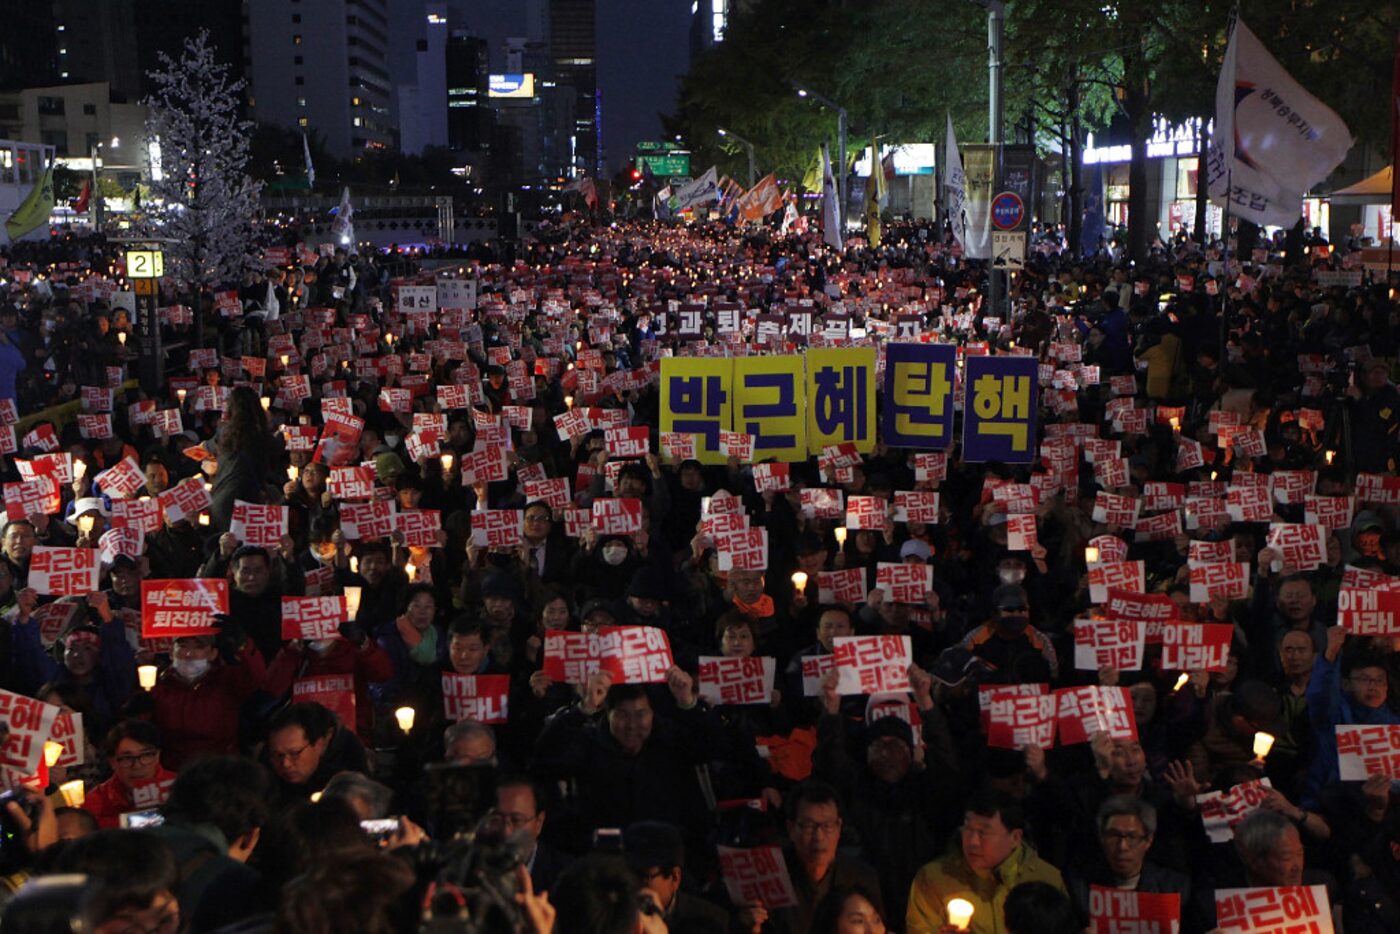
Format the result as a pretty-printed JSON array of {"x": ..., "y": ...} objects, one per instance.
[
  {"x": 653, "y": 146},
  {"x": 673, "y": 164}
]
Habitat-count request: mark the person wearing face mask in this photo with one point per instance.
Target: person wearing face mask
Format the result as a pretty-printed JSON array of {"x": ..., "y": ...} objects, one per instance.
[
  {"x": 1017, "y": 651},
  {"x": 351, "y": 653},
  {"x": 605, "y": 568},
  {"x": 197, "y": 699}
]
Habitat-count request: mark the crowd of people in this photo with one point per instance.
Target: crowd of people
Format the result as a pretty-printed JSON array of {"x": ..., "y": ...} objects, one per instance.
[{"x": 253, "y": 775}]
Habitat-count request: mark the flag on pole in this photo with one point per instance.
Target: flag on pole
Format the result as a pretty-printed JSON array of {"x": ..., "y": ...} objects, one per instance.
[
  {"x": 729, "y": 192},
  {"x": 343, "y": 229},
  {"x": 955, "y": 188},
  {"x": 789, "y": 217},
  {"x": 80, "y": 203},
  {"x": 875, "y": 195},
  {"x": 812, "y": 178},
  {"x": 586, "y": 187},
  {"x": 33, "y": 212},
  {"x": 1094, "y": 218},
  {"x": 1273, "y": 140},
  {"x": 310, "y": 169},
  {"x": 831, "y": 208},
  {"x": 761, "y": 200},
  {"x": 887, "y": 166},
  {"x": 703, "y": 189}
]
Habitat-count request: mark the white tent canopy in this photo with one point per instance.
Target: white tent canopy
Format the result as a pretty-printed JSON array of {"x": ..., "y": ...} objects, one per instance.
[{"x": 1373, "y": 190}]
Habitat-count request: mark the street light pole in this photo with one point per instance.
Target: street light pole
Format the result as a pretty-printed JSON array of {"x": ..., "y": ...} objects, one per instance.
[
  {"x": 748, "y": 147},
  {"x": 841, "y": 147},
  {"x": 96, "y": 192},
  {"x": 996, "y": 23}
]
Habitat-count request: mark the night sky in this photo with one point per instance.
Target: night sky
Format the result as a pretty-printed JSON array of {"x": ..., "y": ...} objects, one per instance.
[{"x": 643, "y": 46}]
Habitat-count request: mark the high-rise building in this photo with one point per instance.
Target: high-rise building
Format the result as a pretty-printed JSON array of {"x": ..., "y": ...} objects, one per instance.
[
  {"x": 468, "y": 81},
  {"x": 28, "y": 53},
  {"x": 573, "y": 46},
  {"x": 709, "y": 19},
  {"x": 322, "y": 66},
  {"x": 97, "y": 43},
  {"x": 423, "y": 100}
]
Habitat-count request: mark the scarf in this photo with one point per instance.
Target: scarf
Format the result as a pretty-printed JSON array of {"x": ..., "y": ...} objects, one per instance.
[
  {"x": 759, "y": 609},
  {"x": 425, "y": 652}
]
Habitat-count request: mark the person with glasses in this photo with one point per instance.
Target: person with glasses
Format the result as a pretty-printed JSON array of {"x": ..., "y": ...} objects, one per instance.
[
  {"x": 1126, "y": 827},
  {"x": 990, "y": 860},
  {"x": 139, "y": 781},
  {"x": 520, "y": 804},
  {"x": 1350, "y": 687},
  {"x": 306, "y": 745},
  {"x": 814, "y": 825},
  {"x": 654, "y": 851}
]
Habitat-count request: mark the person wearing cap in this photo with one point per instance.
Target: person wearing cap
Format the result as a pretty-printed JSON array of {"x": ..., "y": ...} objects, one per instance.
[
  {"x": 100, "y": 668},
  {"x": 891, "y": 798},
  {"x": 1374, "y": 405},
  {"x": 656, "y": 853},
  {"x": 1017, "y": 651}
]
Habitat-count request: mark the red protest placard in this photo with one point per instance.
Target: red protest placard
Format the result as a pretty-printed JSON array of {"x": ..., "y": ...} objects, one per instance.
[
  {"x": 1369, "y": 749},
  {"x": 627, "y": 443},
  {"x": 30, "y": 724},
  {"x": 1227, "y": 580},
  {"x": 37, "y": 497},
  {"x": 617, "y": 516},
  {"x": 498, "y": 528},
  {"x": 916, "y": 506},
  {"x": 364, "y": 521},
  {"x": 181, "y": 607},
  {"x": 570, "y": 657},
  {"x": 865, "y": 512},
  {"x": 1080, "y": 712},
  {"x": 1017, "y": 715},
  {"x": 336, "y": 693},
  {"x": 1221, "y": 811},
  {"x": 904, "y": 583},
  {"x": 254, "y": 524},
  {"x": 1115, "y": 575},
  {"x": 313, "y": 617},
  {"x": 1302, "y": 547},
  {"x": 757, "y": 875},
  {"x": 1196, "y": 646},
  {"x": 872, "y": 664},
  {"x": 1108, "y": 643},
  {"x": 420, "y": 527},
  {"x": 63, "y": 572},
  {"x": 483, "y": 698},
  {"x": 1293, "y": 909},
  {"x": 845, "y": 586},
  {"x": 1366, "y": 611},
  {"x": 351, "y": 483},
  {"x": 1118, "y": 911},
  {"x": 737, "y": 680},
  {"x": 631, "y": 654},
  {"x": 772, "y": 477}
]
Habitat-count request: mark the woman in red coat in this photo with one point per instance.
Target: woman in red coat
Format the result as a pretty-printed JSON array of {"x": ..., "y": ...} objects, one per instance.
[{"x": 198, "y": 697}]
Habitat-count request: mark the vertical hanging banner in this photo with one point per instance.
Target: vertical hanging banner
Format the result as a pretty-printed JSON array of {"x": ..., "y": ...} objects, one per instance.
[
  {"x": 979, "y": 171},
  {"x": 841, "y": 398},
  {"x": 918, "y": 409},
  {"x": 770, "y": 396},
  {"x": 999, "y": 409},
  {"x": 696, "y": 400}
]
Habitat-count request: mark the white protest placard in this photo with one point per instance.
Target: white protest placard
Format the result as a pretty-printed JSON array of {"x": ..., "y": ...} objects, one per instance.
[
  {"x": 254, "y": 524},
  {"x": 1294, "y": 909},
  {"x": 757, "y": 875},
  {"x": 1222, "y": 810},
  {"x": 63, "y": 572},
  {"x": 737, "y": 680},
  {"x": 1364, "y": 750},
  {"x": 1109, "y": 643},
  {"x": 872, "y": 664}
]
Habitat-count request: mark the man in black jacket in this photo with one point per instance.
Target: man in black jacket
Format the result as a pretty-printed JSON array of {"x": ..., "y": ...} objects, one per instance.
[
  {"x": 1126, "y": 827},
  {"x": 654, "y": 851}
]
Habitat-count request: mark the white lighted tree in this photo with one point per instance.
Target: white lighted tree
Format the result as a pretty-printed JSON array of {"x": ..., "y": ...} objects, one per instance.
[{"x": 203, "y": 201}]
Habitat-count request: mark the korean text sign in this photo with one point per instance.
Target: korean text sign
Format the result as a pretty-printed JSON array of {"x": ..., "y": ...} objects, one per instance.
[
  {"x": 918, "y": 405},
  {"x": 999, "y": 409},
  {"x": 182, "y": 607}
]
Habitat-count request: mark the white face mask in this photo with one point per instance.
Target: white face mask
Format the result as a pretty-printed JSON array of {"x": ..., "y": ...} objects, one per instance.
[
  {"x": 1011, "y": 576},
  {"x": 614, "y": 555},
  {"x": 392, "y": 440},
  {"x": 321, "y": 646},
  {"x": 191, "y": 669}
]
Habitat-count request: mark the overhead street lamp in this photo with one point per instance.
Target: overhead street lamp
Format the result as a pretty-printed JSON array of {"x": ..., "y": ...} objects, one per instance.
[
  {"x": 748, "y": 146},
  {"x": 996, "y": 22},
  {"x": 841, "y": 145},
  {"x": 97, "y": 204}
]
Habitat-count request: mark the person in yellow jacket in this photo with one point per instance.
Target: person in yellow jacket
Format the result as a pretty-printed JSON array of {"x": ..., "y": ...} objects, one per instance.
[{"x": 991, "y": 861}]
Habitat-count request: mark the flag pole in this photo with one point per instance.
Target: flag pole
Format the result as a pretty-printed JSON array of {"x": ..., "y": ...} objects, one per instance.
[{"x": 1225, "y": 217}]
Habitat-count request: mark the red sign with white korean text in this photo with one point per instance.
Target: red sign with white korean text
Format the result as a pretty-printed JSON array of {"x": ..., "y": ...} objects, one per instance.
[
  {"x": 336, "y": 693},
  {"x": 627, "y": 443},
  {"x": 1121, "y": 911},
  {"x": 312, "y": 617},
  {"x": 617, "y": 516},
  {"x": 872, "y": 664},
  {"x": 631, "y": 654},
  {"x": 1081, "y": 712},
  {"x": 182, "y": 607},
  {"x": 1196, "y": 646},
  {"x": 1017, "y": 715},
  {"x": 37, "y": 497},
  {"x": 483, "y": 698}
]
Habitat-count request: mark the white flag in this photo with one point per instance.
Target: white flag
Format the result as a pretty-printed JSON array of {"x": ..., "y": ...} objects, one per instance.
[
  {"x": 831, "y": 212},
  {"x": 1272, "y": 141},
  {"x": 703, "y": 189},
  {"x": 343, "y": 228},
  {"x": 310, "y": 169},
  {"x": 955, "y": 188}
]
